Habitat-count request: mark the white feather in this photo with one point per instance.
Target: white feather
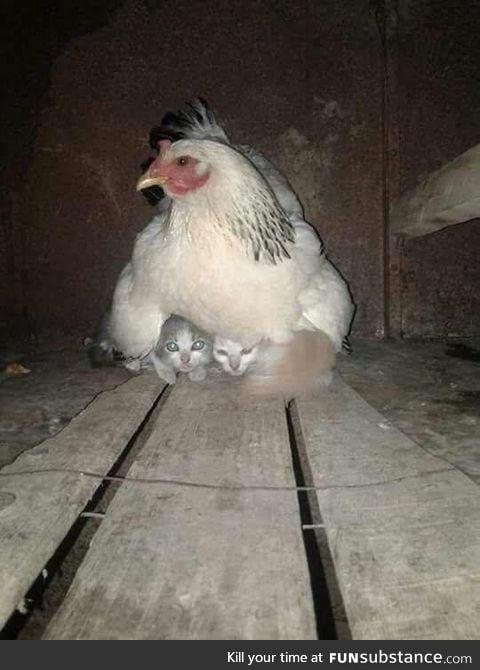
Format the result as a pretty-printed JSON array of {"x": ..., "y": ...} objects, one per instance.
[{"x": 191, "y": 261}]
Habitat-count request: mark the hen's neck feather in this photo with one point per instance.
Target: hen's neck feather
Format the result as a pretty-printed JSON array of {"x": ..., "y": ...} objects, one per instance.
[{"x": 236, "y": 203}]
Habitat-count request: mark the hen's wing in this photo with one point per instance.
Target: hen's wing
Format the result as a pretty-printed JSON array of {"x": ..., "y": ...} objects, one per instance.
[
  {"x": 136, "y": 319},
  {"x": 278, "y": 182},
  {"x": 326, "y": 301},
  {"x": 327, "y": 304}
]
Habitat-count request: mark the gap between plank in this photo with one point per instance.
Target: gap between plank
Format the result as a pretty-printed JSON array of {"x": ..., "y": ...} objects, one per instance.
[
  {"x": 66, "y": 559},
  {"x": 327, "y": 600}
]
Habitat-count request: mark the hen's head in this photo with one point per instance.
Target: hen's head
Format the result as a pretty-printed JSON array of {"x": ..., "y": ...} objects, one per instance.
[
  {"x": 210, "y": 176},
  {"x": 182, "y": 167}
]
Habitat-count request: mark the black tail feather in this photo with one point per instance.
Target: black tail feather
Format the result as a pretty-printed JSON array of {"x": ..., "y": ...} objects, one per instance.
[{"x": 194, "y": 120}]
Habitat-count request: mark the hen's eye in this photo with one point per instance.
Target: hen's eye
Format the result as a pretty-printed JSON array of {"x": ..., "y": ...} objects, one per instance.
[
  {"x": 246, "y": 351},
  {"x": 171, "y": 346},
  {"x": 198, "y": 344},
  {"x": 221, "y": 352},
  {"x": 183, "y": 160}
]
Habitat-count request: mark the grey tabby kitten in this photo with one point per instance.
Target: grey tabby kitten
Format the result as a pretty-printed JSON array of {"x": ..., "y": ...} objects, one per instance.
[{"x": 182, "y": 347}]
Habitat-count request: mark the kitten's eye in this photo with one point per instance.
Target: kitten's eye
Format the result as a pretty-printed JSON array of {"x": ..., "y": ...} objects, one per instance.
[
  {"x": 222, "y": 352},
  {"x": 246, "y": 351},
  {"x": 171, "y": 346},
  {"x": 183, "y": 160},
  {"x": 198, "y": 344}
]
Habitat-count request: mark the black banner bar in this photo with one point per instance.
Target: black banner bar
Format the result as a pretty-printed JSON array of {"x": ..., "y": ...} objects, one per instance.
[{"x": 257, "y": 655}]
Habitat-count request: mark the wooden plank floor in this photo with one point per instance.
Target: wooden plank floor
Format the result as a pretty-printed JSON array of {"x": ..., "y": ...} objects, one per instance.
[
  {"x": 37, "y": 509},
  {"x": 403, "y": 526},
  {"x": 221, "y": 559},
  {"x": 212, "y": 548}
]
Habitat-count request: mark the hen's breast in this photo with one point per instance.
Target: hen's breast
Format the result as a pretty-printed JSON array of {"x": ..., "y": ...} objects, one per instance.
[{"x": 223, "y": 291}]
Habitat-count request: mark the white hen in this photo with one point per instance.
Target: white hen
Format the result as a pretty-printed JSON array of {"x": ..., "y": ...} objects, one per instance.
[{"x": 230, "y": 251}]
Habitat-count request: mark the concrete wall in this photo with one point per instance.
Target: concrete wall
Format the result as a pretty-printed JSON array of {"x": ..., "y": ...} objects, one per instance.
[{"x": 302, "y": 81}]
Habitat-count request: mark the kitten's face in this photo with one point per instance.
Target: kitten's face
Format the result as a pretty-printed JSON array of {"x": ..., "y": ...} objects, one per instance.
[
  {"x": 233, "y": 358},
  {"x": 183, "y": 346}
]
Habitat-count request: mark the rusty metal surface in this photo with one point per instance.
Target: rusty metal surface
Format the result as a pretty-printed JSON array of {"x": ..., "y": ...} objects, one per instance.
[
  {"x": 440, "y": 283},
  {"x": 32, "y": 35},
  {"x": 300, "y": 81},
  {"x": 439, "y": 60}
]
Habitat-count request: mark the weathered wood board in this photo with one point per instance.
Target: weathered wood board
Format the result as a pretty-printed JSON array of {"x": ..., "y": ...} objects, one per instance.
[
  {"x": 403, "y": 526},
  {"x": 38, "y": 509},
  {"x": 224, "y": 561},
  {"x": 446, "y": 197}
]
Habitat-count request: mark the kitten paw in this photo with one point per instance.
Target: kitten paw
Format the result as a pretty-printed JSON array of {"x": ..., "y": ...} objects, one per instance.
[
  {"x": 197, "y": 375},
  {"x": 167, "y": 376},
  {"x": 133, "y": 365},
  {"x": 165, "y": 373}
]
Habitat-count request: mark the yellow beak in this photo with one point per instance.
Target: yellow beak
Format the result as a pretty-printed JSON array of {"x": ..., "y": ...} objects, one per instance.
[{"x": 148, "y": 179}]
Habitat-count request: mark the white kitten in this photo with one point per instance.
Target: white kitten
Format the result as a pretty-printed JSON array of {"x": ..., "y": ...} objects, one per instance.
[
  {"x": 276, "y": 369},
  {"x": 182, "y": 347},
  {"x": 233, "y": 357}
]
